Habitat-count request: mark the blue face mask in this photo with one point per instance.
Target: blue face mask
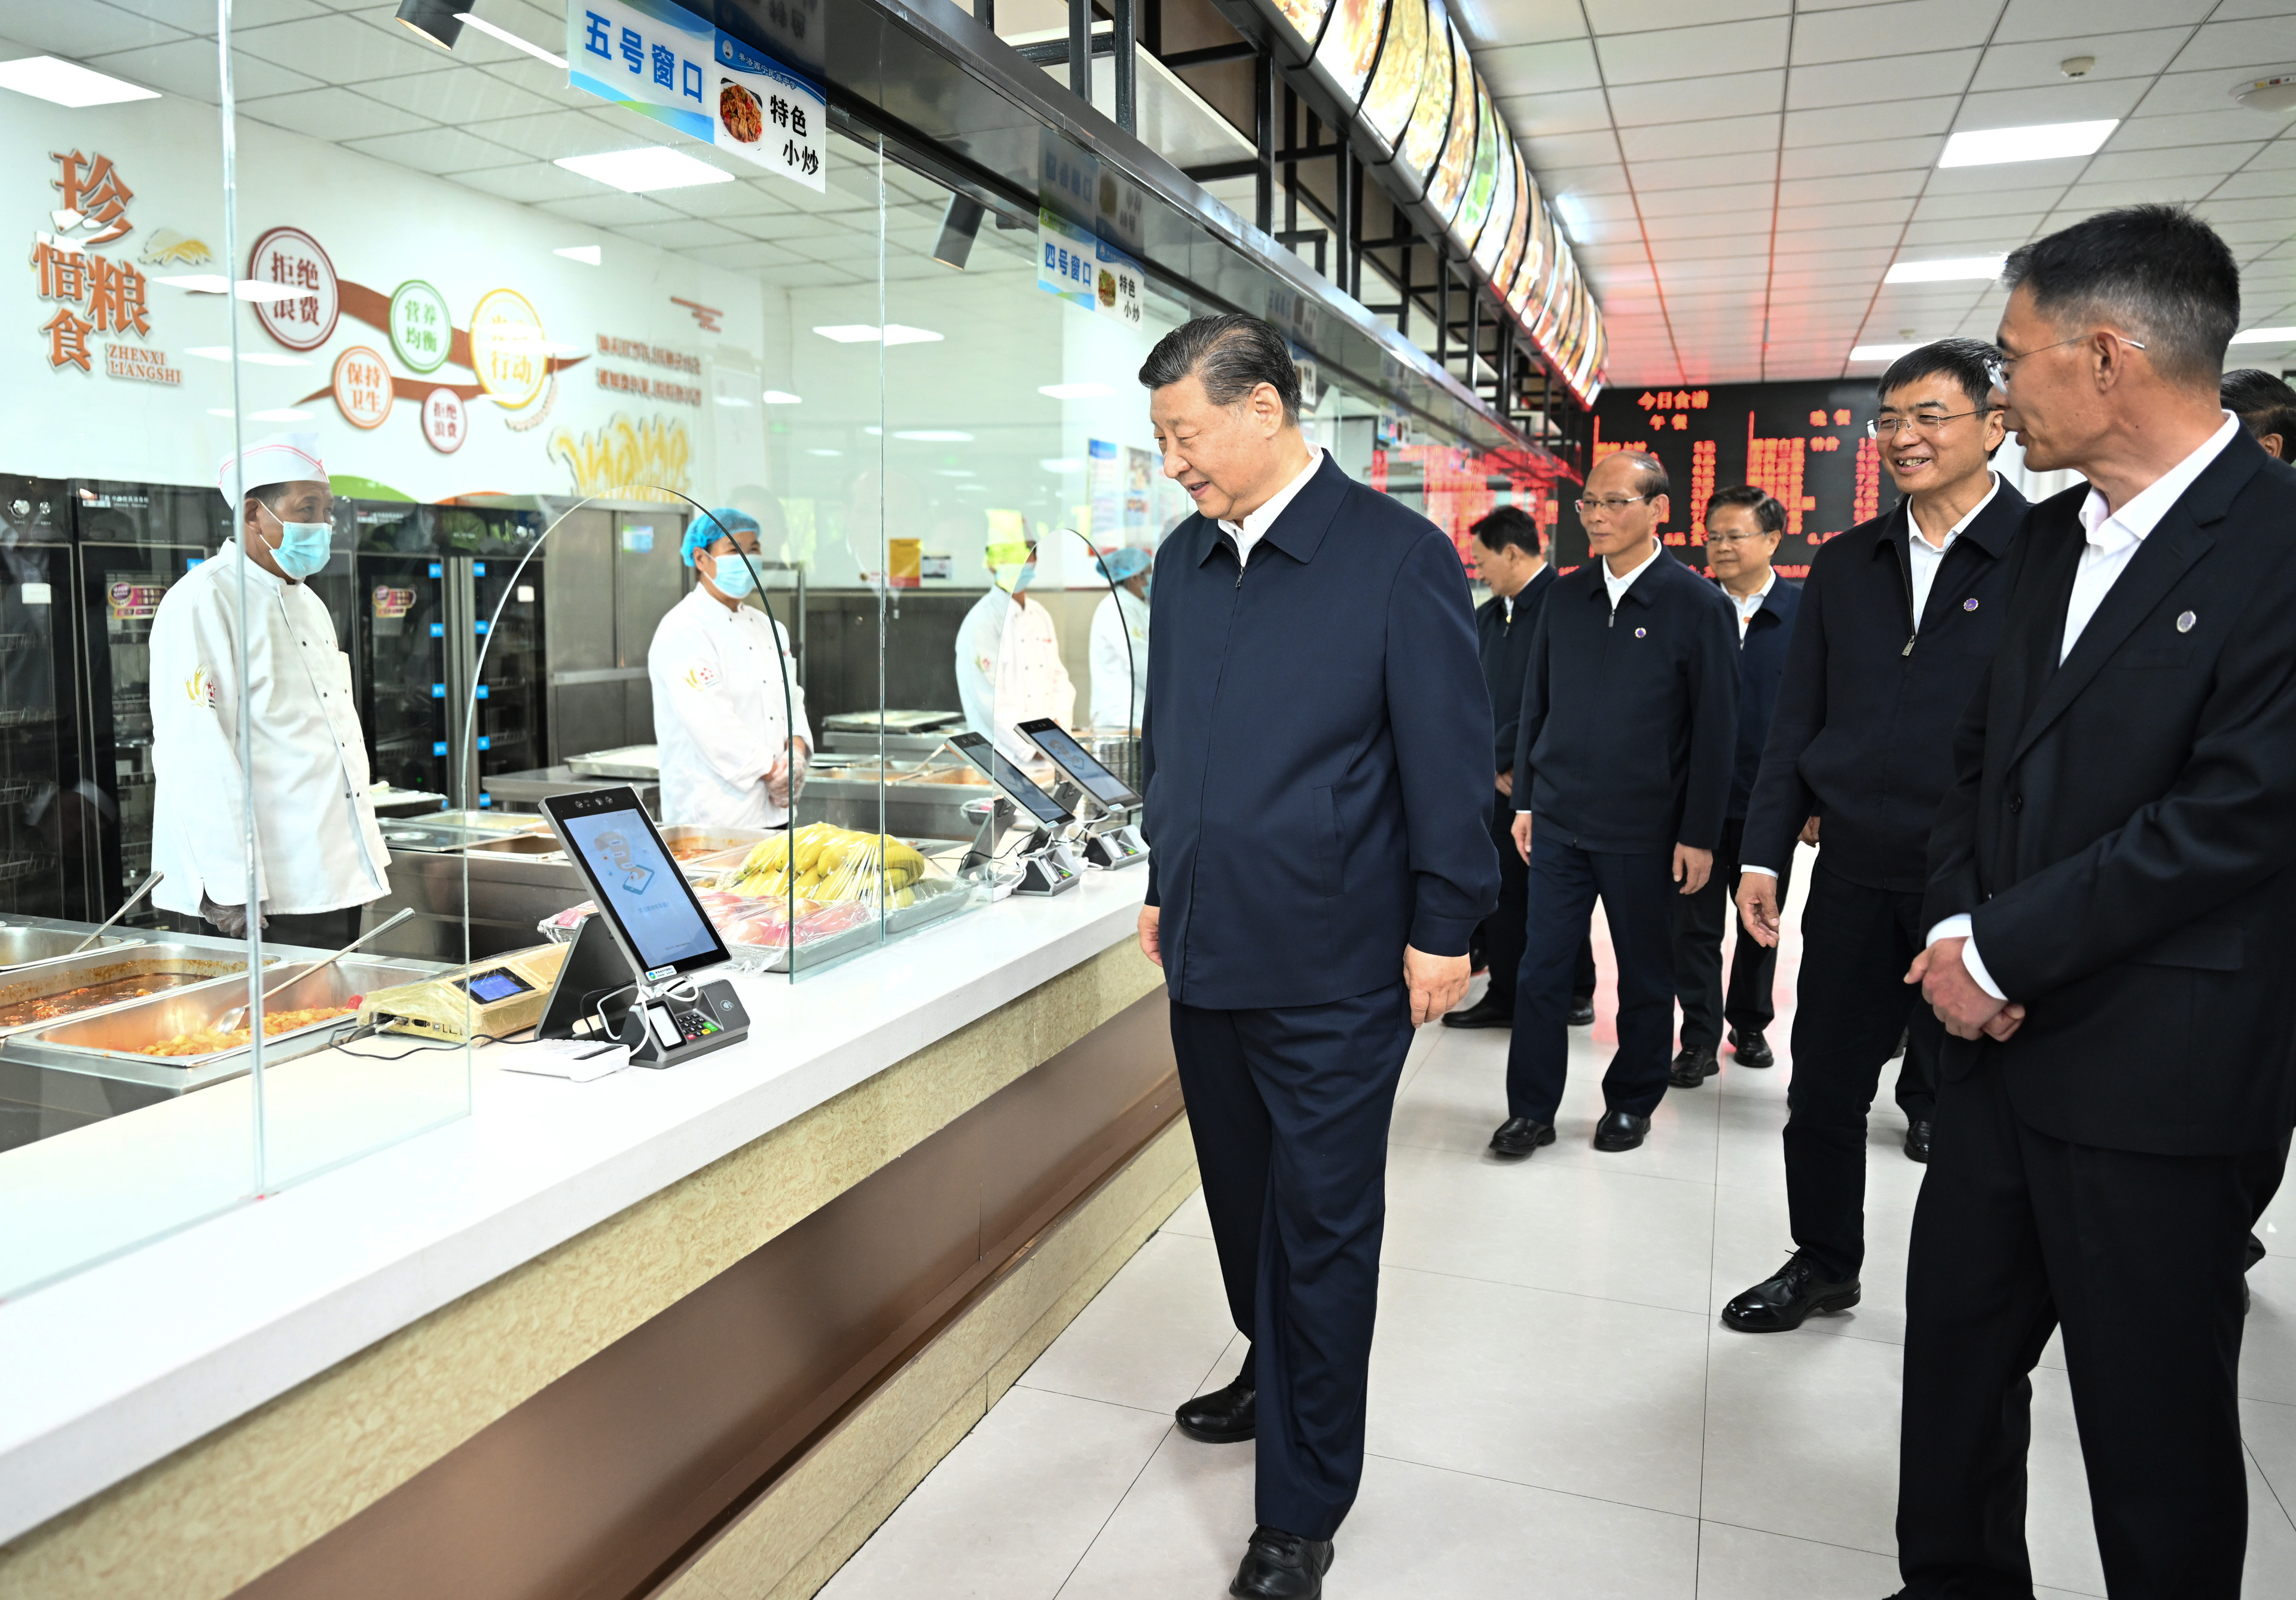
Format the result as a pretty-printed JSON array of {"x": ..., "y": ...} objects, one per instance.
[
  {"x": 733, "y": 576},
  {"x": 303, "y": 548}
]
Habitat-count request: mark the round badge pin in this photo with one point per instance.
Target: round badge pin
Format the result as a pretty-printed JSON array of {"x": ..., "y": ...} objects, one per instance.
[
  {"x": 1642, "y": 633},
  {"x": 2184, "y": 622},
  {"x": 1969, "y": 605}
]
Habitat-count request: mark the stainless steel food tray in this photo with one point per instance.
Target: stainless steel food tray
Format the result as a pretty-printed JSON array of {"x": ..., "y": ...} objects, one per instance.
[
  {"x": 168, "y": 959},
  {"x": 30, "y": 947},
  {"x": 937, "y": 897},
  {"x": 628, "y": 761},
  {"x": 105, "y": 1045}
]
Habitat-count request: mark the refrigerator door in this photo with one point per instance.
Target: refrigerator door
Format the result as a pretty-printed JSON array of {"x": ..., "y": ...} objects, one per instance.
[
  {"x": 400, "y": 654},
  {"x": 50, "y": 821}
]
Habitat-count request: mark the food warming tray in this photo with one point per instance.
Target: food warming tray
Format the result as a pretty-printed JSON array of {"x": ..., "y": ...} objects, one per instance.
[
  {"x": 627, "y": 761},
  {"x": 26, "y": 946},
  {"x": 110, "y": 966}
]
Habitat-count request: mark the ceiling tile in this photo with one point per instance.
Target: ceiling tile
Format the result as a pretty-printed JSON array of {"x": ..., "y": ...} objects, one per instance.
[
  {"x": 1849, "y": 214},
  {"x": 1697, "y": 99},
  {"x": 1841, "y": 191},
  {"x": 1878, "y": 120},
  {"x": 1965, "y": 236},
  {"x": 2141, "y": 192},
  {"x": 2230, "y": 124},
  {"x": 1681, "y": 51},
  {"x": 529, "y": 183},
  {"x": 2182, "y": 160},
  {"x": 748, "y": 253},
  {"x": 682, "y": 234},
  {"x": 85, "y": 28},
  {"x": 1522, "y": 70},
  {"x": 438, "y": 150},
  {"x": 604, "y": 208},
  {"x": 1720, "y": 135},
  {"x": 1868, "y": 156},
  {"x": 463, "y": 95},
  {"x": 2066, "y": 100},
  {"x": 192, "y": 16},
  {"x": 1690, "y": 172},
  {"x": 2262, "y": 183},
  {"x": 340, "y": 49},
  {"x": 187, "y": 68},
  {"x": 1630, "y": 16},
  {"x": 331, "y": 114},
  {"x": 2280, "y": 152},
  {"x": 1723, "y": 238},
  {"x": 1881, "y": 237},
  {"x": 2007, "y": 178},
  {"x": 1852, "y": 83},
  {"x": 1538, "y": 115},
  {"x": 2118, "y": 55},
  {"x": 1994, "y": 207},
  {"x": 1741, "y": 199},
  {"x": 558, "y": 134},
  {"x": 2245, "y": 46},
  {"x": 2267, "y": 209},
  {"x": 1492, "y": 22},
  {"x": 2081, "y": 19},
  {"x": 1567, "y": 152},
  {"x": 2182, "y": 92},
  {"x": 1884, "y": 29}
]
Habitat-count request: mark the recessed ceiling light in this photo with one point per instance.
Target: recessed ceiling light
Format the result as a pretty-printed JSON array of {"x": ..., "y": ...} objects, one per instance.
[
  {"x": 1882, "y": 352},
  {"x": 589, "y": 255},
  {"x": 222, "y": 352},
  {"x": 643, "y": 170},
  {"x": 2040, "y": 142},
  {"x": 1075, "y": 392},
  {"x": 781, "y": 397},
  {"x": 1061, "y": 464},
  {"x": 817, "y": 450},
  {"x": 934, "y": 436},
  {"x": 2265, "y": 336},
  {"x": 850, "y": 332},
  {"x": 68, "y": 83},
  {"x": 731, "y": 400},
  {"x": 509, "y": 38},
  {"x": 895, "y": 334},
  {"x": 1950, "y": 269}
]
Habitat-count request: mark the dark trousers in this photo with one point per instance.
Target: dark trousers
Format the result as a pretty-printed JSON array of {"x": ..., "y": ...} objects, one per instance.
[
  {"x": 1852, "y": 1004},
  {"x": 1290, "y": 1110},
  {"x": 1698, "y": 954},
  {"x": 1637, "y": 892},
  {"x": 2138, "y": 1258},
  {"x": 1506, "y": 931},
  {"x": 315, "y": 930}
]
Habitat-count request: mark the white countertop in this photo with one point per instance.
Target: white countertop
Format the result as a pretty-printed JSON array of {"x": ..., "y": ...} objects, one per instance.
[{"x": 107, "y": 1371}]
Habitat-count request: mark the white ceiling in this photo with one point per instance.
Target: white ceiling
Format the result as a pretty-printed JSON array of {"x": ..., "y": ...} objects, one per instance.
[{"x": 1749, "y": 169}]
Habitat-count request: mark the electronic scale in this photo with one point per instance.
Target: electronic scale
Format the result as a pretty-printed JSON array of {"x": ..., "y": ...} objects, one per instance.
[
  {"x": 1110, "y": 842},
  {"x": 1047, "y": 866},
  {"x": 492, "y": 999},
  {"x": 624, "y": 976}
]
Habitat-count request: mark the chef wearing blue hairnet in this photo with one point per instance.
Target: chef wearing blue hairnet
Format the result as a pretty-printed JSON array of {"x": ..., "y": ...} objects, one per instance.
[
  {"x": 721, "y": 714},
  {"x": 1119, "y": 642}
]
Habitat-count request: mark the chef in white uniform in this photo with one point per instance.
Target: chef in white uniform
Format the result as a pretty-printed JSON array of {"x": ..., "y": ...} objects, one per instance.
[
  {"x": 319, "y": 857},
  {"x": 718, "y": 669},
  {"x": 1008, "y": 657},
  {"x": 1120, "y": 643}
]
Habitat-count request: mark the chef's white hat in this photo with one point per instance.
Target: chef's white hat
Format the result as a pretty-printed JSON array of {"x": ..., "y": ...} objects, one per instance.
[{"x": 276, "y": 459}]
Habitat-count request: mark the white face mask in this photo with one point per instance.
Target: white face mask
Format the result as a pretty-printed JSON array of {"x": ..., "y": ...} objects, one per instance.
[{"x": 303, "y": 548}]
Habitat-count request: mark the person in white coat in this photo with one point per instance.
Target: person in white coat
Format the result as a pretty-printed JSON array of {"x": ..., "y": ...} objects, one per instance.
[
  {"x": 319, "y": 857},
  {"x": 726, "y": 694},
  {"x": 1008, "y": 657},
  {"x": 1120, "y": 643}
]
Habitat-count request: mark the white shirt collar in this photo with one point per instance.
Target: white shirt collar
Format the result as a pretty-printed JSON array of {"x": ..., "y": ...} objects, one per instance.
[
  {"x": 1618, "y": 586},
  {"x": 1923, "y": 546},
  {"x": 1753, "y": 602},
  {"x": 2109, "y": 530},
  {"x": 1257, "y": 523}
]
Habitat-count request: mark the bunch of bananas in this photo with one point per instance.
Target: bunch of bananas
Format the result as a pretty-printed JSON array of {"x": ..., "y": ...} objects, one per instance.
[{"x": 825, "y": 863}]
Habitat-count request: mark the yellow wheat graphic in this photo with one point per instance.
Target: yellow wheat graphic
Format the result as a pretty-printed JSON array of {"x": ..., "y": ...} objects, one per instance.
[{"x": 634, "y": 461}]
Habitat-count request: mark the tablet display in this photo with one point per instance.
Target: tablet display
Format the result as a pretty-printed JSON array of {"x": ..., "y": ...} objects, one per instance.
[
  {"x": 1072, "y": 759},
  {"x": 638, "y": 888},
  {"x": 1010, "y": 778}
]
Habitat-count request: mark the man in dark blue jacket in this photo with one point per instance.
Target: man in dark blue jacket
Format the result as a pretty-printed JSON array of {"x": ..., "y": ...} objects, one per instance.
[
  {"x": 1743, "y": 526},
  {"x": 1898, "y": 619},
  {"x": 1314, "y": 752},
  {"x": 1622, "y": 765},
  {"x": 1510, "y": 559}
]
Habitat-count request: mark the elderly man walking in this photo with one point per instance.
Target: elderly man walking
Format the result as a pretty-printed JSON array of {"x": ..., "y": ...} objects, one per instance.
[{"x": 1316, "y": 751}]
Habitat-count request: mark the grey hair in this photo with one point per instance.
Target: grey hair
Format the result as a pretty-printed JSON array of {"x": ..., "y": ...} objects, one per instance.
[
  {"x": 1230, "y": 355},
  {"x": 2158, "y": 270},
  {"x": 1651, "y": 480}
]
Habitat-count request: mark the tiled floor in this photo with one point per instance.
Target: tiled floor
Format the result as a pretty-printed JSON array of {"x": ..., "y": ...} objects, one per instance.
[{"x": 1553, "y": 1407}]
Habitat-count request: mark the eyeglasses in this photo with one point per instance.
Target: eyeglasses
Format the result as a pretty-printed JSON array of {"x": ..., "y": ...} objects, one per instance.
[
  {"x": 1921, "y": 422},
  {"x": 1610, "y": 506},
  {"x": 2001, "y": 365},
  {"x": 1713, "y": 539}
]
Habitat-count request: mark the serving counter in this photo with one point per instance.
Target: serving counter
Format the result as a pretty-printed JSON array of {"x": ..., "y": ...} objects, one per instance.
[{"x": 692, "y": 1332}]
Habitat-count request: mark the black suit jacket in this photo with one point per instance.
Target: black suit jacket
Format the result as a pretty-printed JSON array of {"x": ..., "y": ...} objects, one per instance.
[
  {"x": 2122, "y": 828},
  {"x": 1761, "y": 663},
  {"x": 1315, "y": 753},
  {"x": 1503, "y": 644},
  {"x": 1629, "y": 721},
  {"x": 1863, "y": 736}
]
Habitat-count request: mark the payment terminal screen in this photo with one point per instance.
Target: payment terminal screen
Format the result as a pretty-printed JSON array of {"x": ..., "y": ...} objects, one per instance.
[
  {"x": 1010, "y": 778},
  {"x": 1072, "y": 757},
  {"x": 487, "y": 987},
  {"x": 639, "y": 888}
]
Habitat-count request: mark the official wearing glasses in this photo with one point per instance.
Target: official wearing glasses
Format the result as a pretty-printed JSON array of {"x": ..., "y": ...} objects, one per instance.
[
  {"x": 1623, "y": 775},
  {"x": 1899, "y": 617}
]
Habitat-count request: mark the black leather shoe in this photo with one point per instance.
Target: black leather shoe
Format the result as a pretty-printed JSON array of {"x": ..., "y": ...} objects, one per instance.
[
  {"x": 1520, "y": 1135},
  {"x": 1482, "y": 1014},
  {"x": 1785, "y": 1302},
  {"x": 1282, "y": 1566},
  {"x": 1693, "y": 1068},
  {"x": 1621, "y": 1130},
  {"x": 1753, "y": 1049},
  {"x": 1582, "y": 1011},
  {"x": 1224, "y": 1417},
  {"x": 1917, "y": 1143}
]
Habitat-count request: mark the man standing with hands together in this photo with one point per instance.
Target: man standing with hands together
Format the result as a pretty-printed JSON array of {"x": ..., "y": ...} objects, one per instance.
[{"x": 1315, "y": 753}]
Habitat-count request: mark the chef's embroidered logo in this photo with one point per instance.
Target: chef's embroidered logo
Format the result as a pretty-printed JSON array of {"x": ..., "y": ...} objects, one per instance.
[
  {"x": 702, "y": 676},
  {"x": 200, "y": 688}
]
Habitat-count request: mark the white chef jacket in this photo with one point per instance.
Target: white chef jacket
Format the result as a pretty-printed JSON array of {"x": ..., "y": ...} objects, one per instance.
[
  {"x": 720, "y": 716},
  {"x": 1009, "y": 671},
  {"x": 1114, "y": 671},
  {"x": 317, "y": 845}
]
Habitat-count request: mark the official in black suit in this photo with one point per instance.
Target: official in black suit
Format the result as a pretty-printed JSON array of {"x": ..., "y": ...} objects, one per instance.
[
  {"x": 1622, "y": 773},
  {"x": 1743, "y": 526},
  {"x": 1314, "y": 754},
  {"x": 2114, "y": 899},
  {"x": 1899, "y": 617},
  {"x": 1510, "y": 559}
]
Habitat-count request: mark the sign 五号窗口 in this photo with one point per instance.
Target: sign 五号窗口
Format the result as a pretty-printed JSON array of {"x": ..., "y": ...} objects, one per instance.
[{"x": 663, "y": 62}]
